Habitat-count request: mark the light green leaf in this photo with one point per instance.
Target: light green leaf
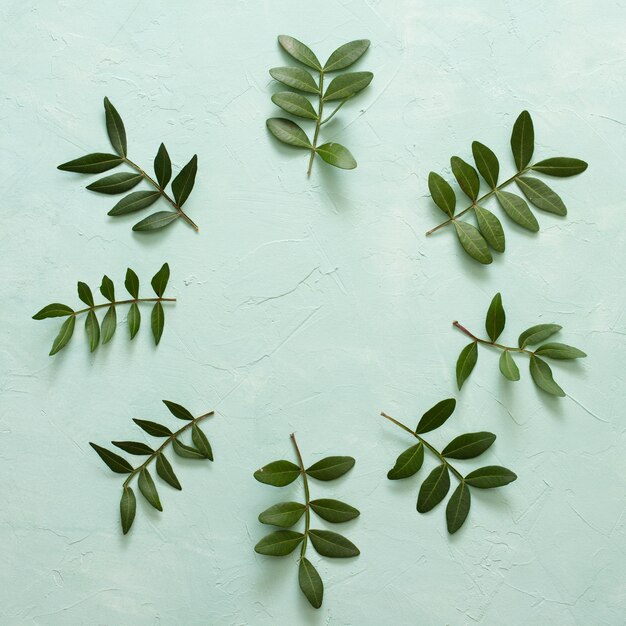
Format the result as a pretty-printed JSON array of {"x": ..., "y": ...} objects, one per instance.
[
  {"x": 299, "y": 51},
  {"x": 490, "y": 228},
  {"x": 160, "y": 280},
  {"x": 116, "y": 183},
  {"x": 542, "y": 376},
  {"x": 346, "y": 85},
  {"x": 166, "y": 472},
  {"x": 523, "y": 140},
  {"x": 331, "y": 467},
  {"x": 65, "y": 334},
  {"x": 201, "y": 442},
  {"x": 163, "y": 166},
  {"x": 458, "y": 507},
  {"x": 473, "y": 242},
  {"x": 92, "y": 328},
  {"x": 183, "y": 183},
  {"x": 333, "y": 510},
  {"x": 436, "y": 416},
  {"x": 288, "y": 132},
  {"x": 134, "y": 447},
  {"x": 517, "y": 209},
  {"x": 279, "y": 543},
  {"x": 135, "y": 201},
  {"x": 178, "y": 411},
  {"x": 131, "y": 283},
  {"x": 53, "y": 310},
  {"x": 337, "y": 155},
  {"x": 152, "y": 428},
  {"x": 466, "y": 362},
  {"x": 490, "y": 477},
  {"x": 185, "y": 451},
  {"x": 434, "y": 489},
  {"x": 156, "y": 221},
  {"x": 469, "y": 445},
  {"x": 295, "y": 104},
  {"x": 94, "y": 163},
  {"x": 541, "y": 195},
  {"x": 295, "y": 77},
  {"x": 508, "y": 367},
  {"x": 496, "y": 318},
  {"x": 310, "y": 583},
  {"x": 115, "y": 128},
  {"x": 134, "y": 320},
  {"x": 283, "y": 514},
  {"x": 278, "y": 473},
  {"x": 560, "y": 351},
  {"x": 84, "y": 293},
  {"x": 107, "y": 289},
  {"x": 115, "y": 462},
  {"x": 486, "y": 162},
  {"x": 466, "y": 176},
  {"x": 346, "y": 55},
  {"x": 442, "y": 193},
  {"x": 560, "y": 166},
  {"x": 408, "y": 463},
  {"x": 128, "y": 506},
  {"x": 332, "y": 544},
  {"x": 157, "y": 322},
  {"x": 148, "y": 489},
  {"x": 537, "y": 334},
  {"x": 109, "y": 324}
]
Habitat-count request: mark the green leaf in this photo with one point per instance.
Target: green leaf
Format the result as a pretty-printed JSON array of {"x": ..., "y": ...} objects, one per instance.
[
  {"x": 178, "y": 411},
  {"x": 53, "y": 310},
  {"x": 517, "y": 209},
  {"x": 337, "y": 155},
  {"x": 166, "y": 472},
  {"x": 295, "y": 104},
  {"x": 128, "y": 506},
  {"x": 148, "y": 489},
  {"x": 490, "y": 477},
  {"x": 135, "y": 201},
  {"x": 486, "y": 162},
  {"x": 163, "y": 166},
  {"x": 114, "y": 462},
  {"x": 436, "y": 416},
  {"x": 496, "y": 318},
  {"x": 288, "y": 132},
  {"x": 442, "y": 193},
  {"x": 152, "y": 428},
  {"x": 542, "y": 376},
  {"x": 184, "y": 182},
  {"x": 331, "y": 467},
  {"x": 346, "y": 55},
  {"x": 299, "y": 51},
  {"x": 559, "y": 351},
  {"x": 537, "y": 334},
  {"x": 283, "y": 514},
  {"x": 458, "y": 507},
  {"x": 279, "y": 543},
  {"x": 201, "y": 442},
  {"x": 156, "y": 221},
  {"x": 408, "y": 463},
  {"x": 107, "y": 289},
  {"x": 560, "y": 166},
  {"x": 116, "y": 183},
  {"x": 134, "y": 447},
  {"x": 310, "y": 583},
  {"x": 157, "y": 322},
  {"x": 541, "y": 195},
  {"x": 94, "y": 163},
  {"x": 347, "y": 85},
  {"x": 332, "y": 544},
  {"x": 523, "y": 140},
  {"x": 65, "y": 334},
  {"x": 466, "y": 176},
  {"x": 160, "y": 280},
  {"x": 473, "y": 242},
  {"x": 185, "y": 451},
  {"x": 278, "y": 473},
  {"x": 115, "y": 128},
  {"x": 84, "y": 293},
  {"x": 134, "y": 320},
  {"x": 433, "y": 489},
  {"x": 92, "y": 328},
  {"x": 490, "y": 228},
  {"x": 333, "y": 510},
  {"x": 109, "y": 325},
  {"x": 469, "y": 445},
  {"x": 508, "y": 366},
  {"x": 131, "y": 283},
  {"x": 295, "y": 77},
  {"x": 466, "y": 362}
]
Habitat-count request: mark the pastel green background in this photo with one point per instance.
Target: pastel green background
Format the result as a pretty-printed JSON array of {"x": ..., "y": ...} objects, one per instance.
[{"x": 309, "y": 306}]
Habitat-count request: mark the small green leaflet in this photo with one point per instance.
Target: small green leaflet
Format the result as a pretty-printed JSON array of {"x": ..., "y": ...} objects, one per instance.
[
  {"x": 486, "y": 163},
  {"x": 517, "y": 209},
  {"x": 346, "y": 55},
  {"x": 466, "y": 362},
  {"x": 156, "y": 221},
  {"x": 473, "y": 242},
  {"x": 331, "y": 467},
  {"x": 299, "y": 51},
  {"x": 508, "y": 367},
  {"x": 310, "y": 583},
  {"x": 65, "y": 334},
  {"x": 442, "y": 194},
  {"x": 496, "y": 318},
  {"x": 128, "y": 507},
  {"x": 490, "y": 477},
  {"x": 458, "y": 507},
  {"x": 278, "y": 473},
  {"x": 115, "y": 128},
  {"x": 334, "y": 511},
  {"x": 135, "y": 201},
  {"x": 163, "y": 166},
  {"x": 434, "y": 489},
  {"x": 537, "y": 334},
  {"x": 295, "y": 104},
  {"x": 560, "y": 351},
  {"x": 560, "y": 166},
  {"x": 279, "y": 543},
  {"x": 542, "y": 375},
  {"x": 541, "y": 195},
  {"x": 148, "y": 489},
  {"x": 337, "y": 155},
  {"x": 523, "y": 140},
  {"x": 436, "y": 416},
  {"x": 116, "y": 183},
  {"x": 466, "y": 176},
  {"x": 295, "y": 77},
  {"x": 288, "y": 132},
  {"x": 469, "y": 445},
  {"x": 490, "y": 228},
  {"x": 95, "y": 163},
  {"x": 184, "y": 181},
  {"x": 283, "y": 514},
  {"x": 347, "y": 85},
  {"x": 332, "y": 544},
  {"x": 115, "y": 462},
  {"x": 134, "y": 447},
  {"x": 408, "y": 463}
]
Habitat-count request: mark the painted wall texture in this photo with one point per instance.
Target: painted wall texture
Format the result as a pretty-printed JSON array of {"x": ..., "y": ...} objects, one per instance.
[{"x": 310, "y": 306}]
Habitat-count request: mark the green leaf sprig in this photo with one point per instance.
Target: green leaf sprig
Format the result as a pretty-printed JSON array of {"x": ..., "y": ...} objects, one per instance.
[
  {"x": 437, "y": 484},
  {"x": 286, "y": 514},
  {"x": 489, "y": 234},
  {"x": 102, "y": 333},
  {"x": 540, "y": 371},
  {"x": 200, "y": 449},
  {"x": 341, "y": 89},
  {"x": 122, "y": 182}
]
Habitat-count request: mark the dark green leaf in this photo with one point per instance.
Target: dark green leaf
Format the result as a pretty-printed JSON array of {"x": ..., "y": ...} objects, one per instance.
[
  {"x": 132, "y": 283},
  {"x": 559, "y": 351},
  {"x": 523, "y": 140},
  {"x": 109, "y": 324},
  {"x": 537, "y": 334},
  {"x": 337, "y": 155},
  {"x": 542, "y": 376},
  {"x": 116, "y": 183},
  {"x": 178, "y": 411},
  {"x": 469, "y": 445},
  {"x": 517, "y": 209},
  {"x": 279, "y": 543},
  {"x": 283, "y": 514},
  {"x": 115, "y": 128},
  {"x": 310, "y": 583},
  {"x": 295, "y": 77},
  {"x": 408, "y": 463},
  {"x": 458, "y": 507},
  {"x": 288, "y": 132},
  {"x": 157, "y": 321},
  {"x": 278, "y": 473},
  {"x": 201, "y": 442},
  {"x": 490, "y": 228},
  {"x": 442, "y": 194},
  {"x": 299, "y": 51},
  {"x": 115, "y": 462},
  {"x": 135, "y": 201},
  {"x": 333, "y": 510},
  {"x": 541, "y": 195},
  {"x": 508, "y": 366},
  {"x": 92, "y": 328},
  {"x": 134, "y": 319},
  {"x": 156, "y": 221},
  {"x": 184, "y": 182},
  {"x": 160, "y": 280},
  {"x": 166, "y": 472},
  {"x": 53, "y": 310},
  {"x": 486, "y": 162},
  {"x": 466, "y": 362},
  {"x": 490, "y": 477},
  {"x": 560, "y": 166},
  {"x": 473, "y": 242},
  {"x": 152, "y": 428},
  {"x": 466, "y": 176},
  {"x": 148, "y": 489},
  {"x": 185, "y": 451},
  {"x": 346, "y": 55},
  {"x": 496, "y": 318},
  {"x": 332, "y": 544},
  {"x": 162, "y": 166},
  {"x": 433, "y": 489},
  {"x": 84, "y": 293},
  {"x": 65, "y": 334},
  {"x": 295, "y": 104},
  {"x": 128, "y": 506},
  {"x": 436, "y": 416},
  {"x": 347, "y": 85},
  {"x": 95, "y": 163},
  {"x": 134, "y": 447},
  {"x": 107, "y": 289},
  {"x": 331, "y": 467}
]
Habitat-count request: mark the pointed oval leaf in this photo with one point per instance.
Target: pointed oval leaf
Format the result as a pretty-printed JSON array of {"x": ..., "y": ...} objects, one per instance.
[
  {"x": 84, "y": 293},
  {"x": 156, "y": 221},
  {"x": 135, "y": 201},
  {"x": 496, "y": 318},
  {"x": 157, "y": 322},
  {"x": 183, "y": 183},
  {"x": 166, "y": 472},
  {"x": 160, "y": 280},
  {"x": 346, "y": 55},
  {"x": 559, "y": 351},
  {"x": 134, "y": 447},
  {"x": 560, "y": 166},
  {"x": 490, "y": 477},
  {"x": 162, "y": 166},
  {"x": 408, "y": 463},
  {"x": 542, "y": 376},
  {"x": 458, "y": 507},
  {"x": 517, "y": 209},
  {"x": 523, "y": 140},
  {"x": 508, "y": 367},
  {"x": 94, "y": 163},
  {"x": 295, "y": 77},
  {"x": 347, "y": 85},
  {"x": 148, "y": 489},
  {"x": 295, "y": 104},
  {"x": 541, "y": 195},
  {"x": 65, "y": 334},
  {"x": 109, "y": 325},
  {"x": 486, "y": 162},
  {"x": 115, "y": 462},
  {"x": 331, "y": 467},
  {"x": 92, "y": 328},
  {"x": 131, "y": 283},
  {"x": 436, "y": 416},
  {"x": 299, "y": 51},
  {"x": 333, "y": 510},
  {"x": 310, "y": 583},
  {"x": 115, "y": 128},
  {"x": 128, "y": 506},
  {"x": 473, "y": 242},
  {"x": 442, "y": 193},
  {"x": 434, "y": 489},
  {"x": 134, "y": 320},
  {"x": 185, "y": 451},
  {"x": 116, "y": 183},
  {"x": 53, "y": 310},
  {"x": 279, "y": 543},
  {"x": 278, "y": 473},
  {"x": 107, "y": 288},
  {"x": 283, "y": 514},
  {"x": 331, "y": 544},
  {"x": 490, "y": 228},
  {"x": 469, "y": 445},
  {"x": 337, "y": 155},
  {"x": 466, "y": 176},
  {"x": 201, "y": 442},
  {"x": 466, "y": 362},
  {"x": 152, "y": 428},
  {"x": 537, "y": 334},
  {"x": 288, "y": 132},
  {"x": 178, "y": 411}
]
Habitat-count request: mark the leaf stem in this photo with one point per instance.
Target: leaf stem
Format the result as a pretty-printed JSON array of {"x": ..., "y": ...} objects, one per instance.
[
  {"x": 335, "y": 111},
  {"x": 156, "y": 185},
  {"x": 318, "y": 123},
  {"x": 133, "y": 301},
  {"x": 425, "y": 443},
  {"x": 493, "y": 344},
  {"x": 163, "y": 445},
  {"x": 307, "y": 510}
]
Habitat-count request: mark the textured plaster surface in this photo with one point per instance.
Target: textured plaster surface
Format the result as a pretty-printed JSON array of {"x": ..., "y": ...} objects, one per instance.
[{"x": 309, "y": 306}]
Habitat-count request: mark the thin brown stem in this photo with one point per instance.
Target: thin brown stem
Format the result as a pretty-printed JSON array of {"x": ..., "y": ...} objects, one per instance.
[
  {"x": 485, "y": 342},
  {"x": 133, "y": 301},
  {"x": 307, "y": 510},
  {"x": 318, "y": 123}
]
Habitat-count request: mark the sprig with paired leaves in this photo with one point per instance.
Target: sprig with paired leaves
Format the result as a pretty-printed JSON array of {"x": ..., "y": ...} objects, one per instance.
[
  {"x": 490, "y": 234},
  {"x": 437, "y": 484},
  {"x": 200, "y": 449},
  {"x": 98, "y": 162},
  {"x": 286, "y": 514},
  {"x": 540, "y": 371},
  {"x": 340, "y": 89},
  {"x": 96, "y": 333}
]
